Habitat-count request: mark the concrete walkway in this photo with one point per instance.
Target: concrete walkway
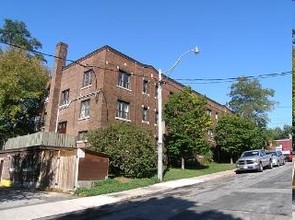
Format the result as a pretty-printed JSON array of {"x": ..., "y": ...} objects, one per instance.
[{"x": 79, "y": 204}]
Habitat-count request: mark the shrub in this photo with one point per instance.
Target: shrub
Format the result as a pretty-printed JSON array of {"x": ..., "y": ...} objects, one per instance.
[{"x": 132, "y": 151}]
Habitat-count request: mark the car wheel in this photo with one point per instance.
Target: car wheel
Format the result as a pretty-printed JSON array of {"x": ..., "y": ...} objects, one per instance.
[{"x": 260, "y": 168}]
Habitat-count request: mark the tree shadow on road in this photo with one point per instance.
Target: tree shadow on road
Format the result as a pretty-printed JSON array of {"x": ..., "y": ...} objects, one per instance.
[
  {"x": 12, "y": 194},
  {"x": 154, "y": 208}
]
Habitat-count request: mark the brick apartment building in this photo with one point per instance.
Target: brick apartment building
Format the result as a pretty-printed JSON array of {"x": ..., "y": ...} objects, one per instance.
[{"x": 104, "y": 86}]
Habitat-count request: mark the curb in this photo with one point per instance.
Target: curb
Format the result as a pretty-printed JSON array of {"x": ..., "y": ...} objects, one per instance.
[
  {"x": 168, "y": 186},
  {"x": 63, "y": 208}
]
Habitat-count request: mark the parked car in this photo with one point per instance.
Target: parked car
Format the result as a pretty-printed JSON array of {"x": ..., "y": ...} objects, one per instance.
[
  {"x": 254, "y": 160},
  {"x": 288, "y": 157},
  {"x": 278, "y": 158}
]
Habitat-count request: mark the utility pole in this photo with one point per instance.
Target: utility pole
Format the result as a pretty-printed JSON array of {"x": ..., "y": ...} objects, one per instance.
[{"x": 160, "y": 111}]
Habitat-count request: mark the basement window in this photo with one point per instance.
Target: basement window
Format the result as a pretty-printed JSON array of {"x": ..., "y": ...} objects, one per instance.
[{"x": 82, "y": 136}]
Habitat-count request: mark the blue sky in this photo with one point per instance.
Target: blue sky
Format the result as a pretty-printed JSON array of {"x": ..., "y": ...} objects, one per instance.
[{"x": 235, "y": 38}]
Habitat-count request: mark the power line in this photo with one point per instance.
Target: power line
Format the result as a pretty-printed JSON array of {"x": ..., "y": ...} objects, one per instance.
[
  {"x": 188, "y": 80},
  {"x": 232, "y": 79}
]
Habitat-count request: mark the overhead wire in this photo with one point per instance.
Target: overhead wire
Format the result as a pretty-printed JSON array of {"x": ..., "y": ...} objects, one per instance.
[
  {"x": 185, "y": 80},
  {"x": 166, "y": 79}
]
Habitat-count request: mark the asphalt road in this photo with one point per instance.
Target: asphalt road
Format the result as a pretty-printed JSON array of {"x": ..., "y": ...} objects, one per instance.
[
  {"x": 12, "y": 198},
  {"x": 251, "y": 196}
]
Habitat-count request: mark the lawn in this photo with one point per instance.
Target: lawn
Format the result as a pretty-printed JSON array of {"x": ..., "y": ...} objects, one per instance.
[{"x": 120, "y": 183}]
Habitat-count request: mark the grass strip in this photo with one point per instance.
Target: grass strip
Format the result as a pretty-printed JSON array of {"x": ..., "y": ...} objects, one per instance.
[{"x": 121, "y": 183}]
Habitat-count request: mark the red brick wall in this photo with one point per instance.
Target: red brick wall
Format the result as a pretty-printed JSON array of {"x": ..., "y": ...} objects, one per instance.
[{"x": 106, "y": 63}]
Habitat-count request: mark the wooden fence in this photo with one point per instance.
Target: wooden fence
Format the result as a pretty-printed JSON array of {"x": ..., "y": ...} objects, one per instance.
[{"x": 41, "y": 139}]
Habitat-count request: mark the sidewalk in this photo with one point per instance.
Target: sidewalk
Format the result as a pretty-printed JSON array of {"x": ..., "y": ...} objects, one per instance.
[{"x": 79, "y": 204}]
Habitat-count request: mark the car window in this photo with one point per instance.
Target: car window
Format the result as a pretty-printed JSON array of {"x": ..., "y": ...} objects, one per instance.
[{"x": 250, "y": 153}]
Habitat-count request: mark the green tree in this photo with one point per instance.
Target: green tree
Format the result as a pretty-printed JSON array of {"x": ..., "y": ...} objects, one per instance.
[
  {"x": 16, "y": 33},
  {"x": 279, "y": 133},
  {"x": 132, "y": 151},
  {"x": 234, "y": 135},
  {"x": 186, "y": 121},
  {"x": 22, "y": 88},
  {"x": 250, "y": 101}
]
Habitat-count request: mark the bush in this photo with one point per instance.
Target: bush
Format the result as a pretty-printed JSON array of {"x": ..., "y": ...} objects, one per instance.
[{"x": 132, "y": 151}]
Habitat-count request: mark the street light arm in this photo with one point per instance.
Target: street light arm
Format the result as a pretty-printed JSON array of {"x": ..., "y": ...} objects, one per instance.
[
  {"x": 194, "y": 50},
  {"x": 160, "y": 109}
]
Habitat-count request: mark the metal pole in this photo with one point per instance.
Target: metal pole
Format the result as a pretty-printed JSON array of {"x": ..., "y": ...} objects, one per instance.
[
  {"x": 160, "y": 109},
  {"x": 160, "y": 129}
]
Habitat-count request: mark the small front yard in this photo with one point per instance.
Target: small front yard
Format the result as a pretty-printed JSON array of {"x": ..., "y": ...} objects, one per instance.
[{"x": 120, "y": 183}]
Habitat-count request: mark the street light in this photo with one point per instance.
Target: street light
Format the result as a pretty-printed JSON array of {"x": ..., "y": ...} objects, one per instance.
[{"x": 160, "y": 109}]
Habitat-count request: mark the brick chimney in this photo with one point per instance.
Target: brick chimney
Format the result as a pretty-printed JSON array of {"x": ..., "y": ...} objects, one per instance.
[{"x": 55, "y": 85}]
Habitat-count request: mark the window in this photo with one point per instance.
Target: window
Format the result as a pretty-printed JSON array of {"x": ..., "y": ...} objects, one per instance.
[
  {"x": 124, "y": 79},
  {"x": 87, "y": 78},
  {"x": 210, "y": 135},
  {"x": 216, "y": 116},
  {"x": 209, "y": 112},
  {"x": 62, "y": 127},
  {"x": 85, "y": 109},
  {"x": 82, "y": 135},
  {"x": 145, "y": 87},
  {"x": 64, "y": 98},
  {"x": 122, "y": 110},
  {"x": 144, "y": 113}
]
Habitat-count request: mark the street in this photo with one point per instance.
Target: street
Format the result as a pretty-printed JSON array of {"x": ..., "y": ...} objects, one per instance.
[{"x": 252, "y": 195}]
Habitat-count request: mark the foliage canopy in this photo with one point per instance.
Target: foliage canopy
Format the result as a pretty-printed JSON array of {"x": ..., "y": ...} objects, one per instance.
[
  {"x": 250, "y": 101},
  {"x": 16, "y": 33},
  {"x": 22, "y": 89},
  {"x": 187, "y": 122},
  {"x": 234, "y": 135}
]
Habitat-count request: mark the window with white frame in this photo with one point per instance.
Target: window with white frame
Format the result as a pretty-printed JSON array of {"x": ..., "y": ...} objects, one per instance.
[
  {"x": 87, "y": 78},
  {"x": 122, "y": 110},
  {"x": 216, "y": 115},
  {"x": 85, "y": 109},
  {"x": 210, "y": 135},
  {"x": 145, "y": 86},
  {"x": 64, "y": 98},
  {"x": 145, "y": 113},
  {"x": 124, "y": 79},
  {"x": 156, "y": 90},
  {"x": 209, "y": 112}
]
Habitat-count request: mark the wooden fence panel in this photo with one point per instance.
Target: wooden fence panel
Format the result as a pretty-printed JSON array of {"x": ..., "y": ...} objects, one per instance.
[
  {"x": 41, "y": 139},
  {"x": 66, "y": 173}
]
